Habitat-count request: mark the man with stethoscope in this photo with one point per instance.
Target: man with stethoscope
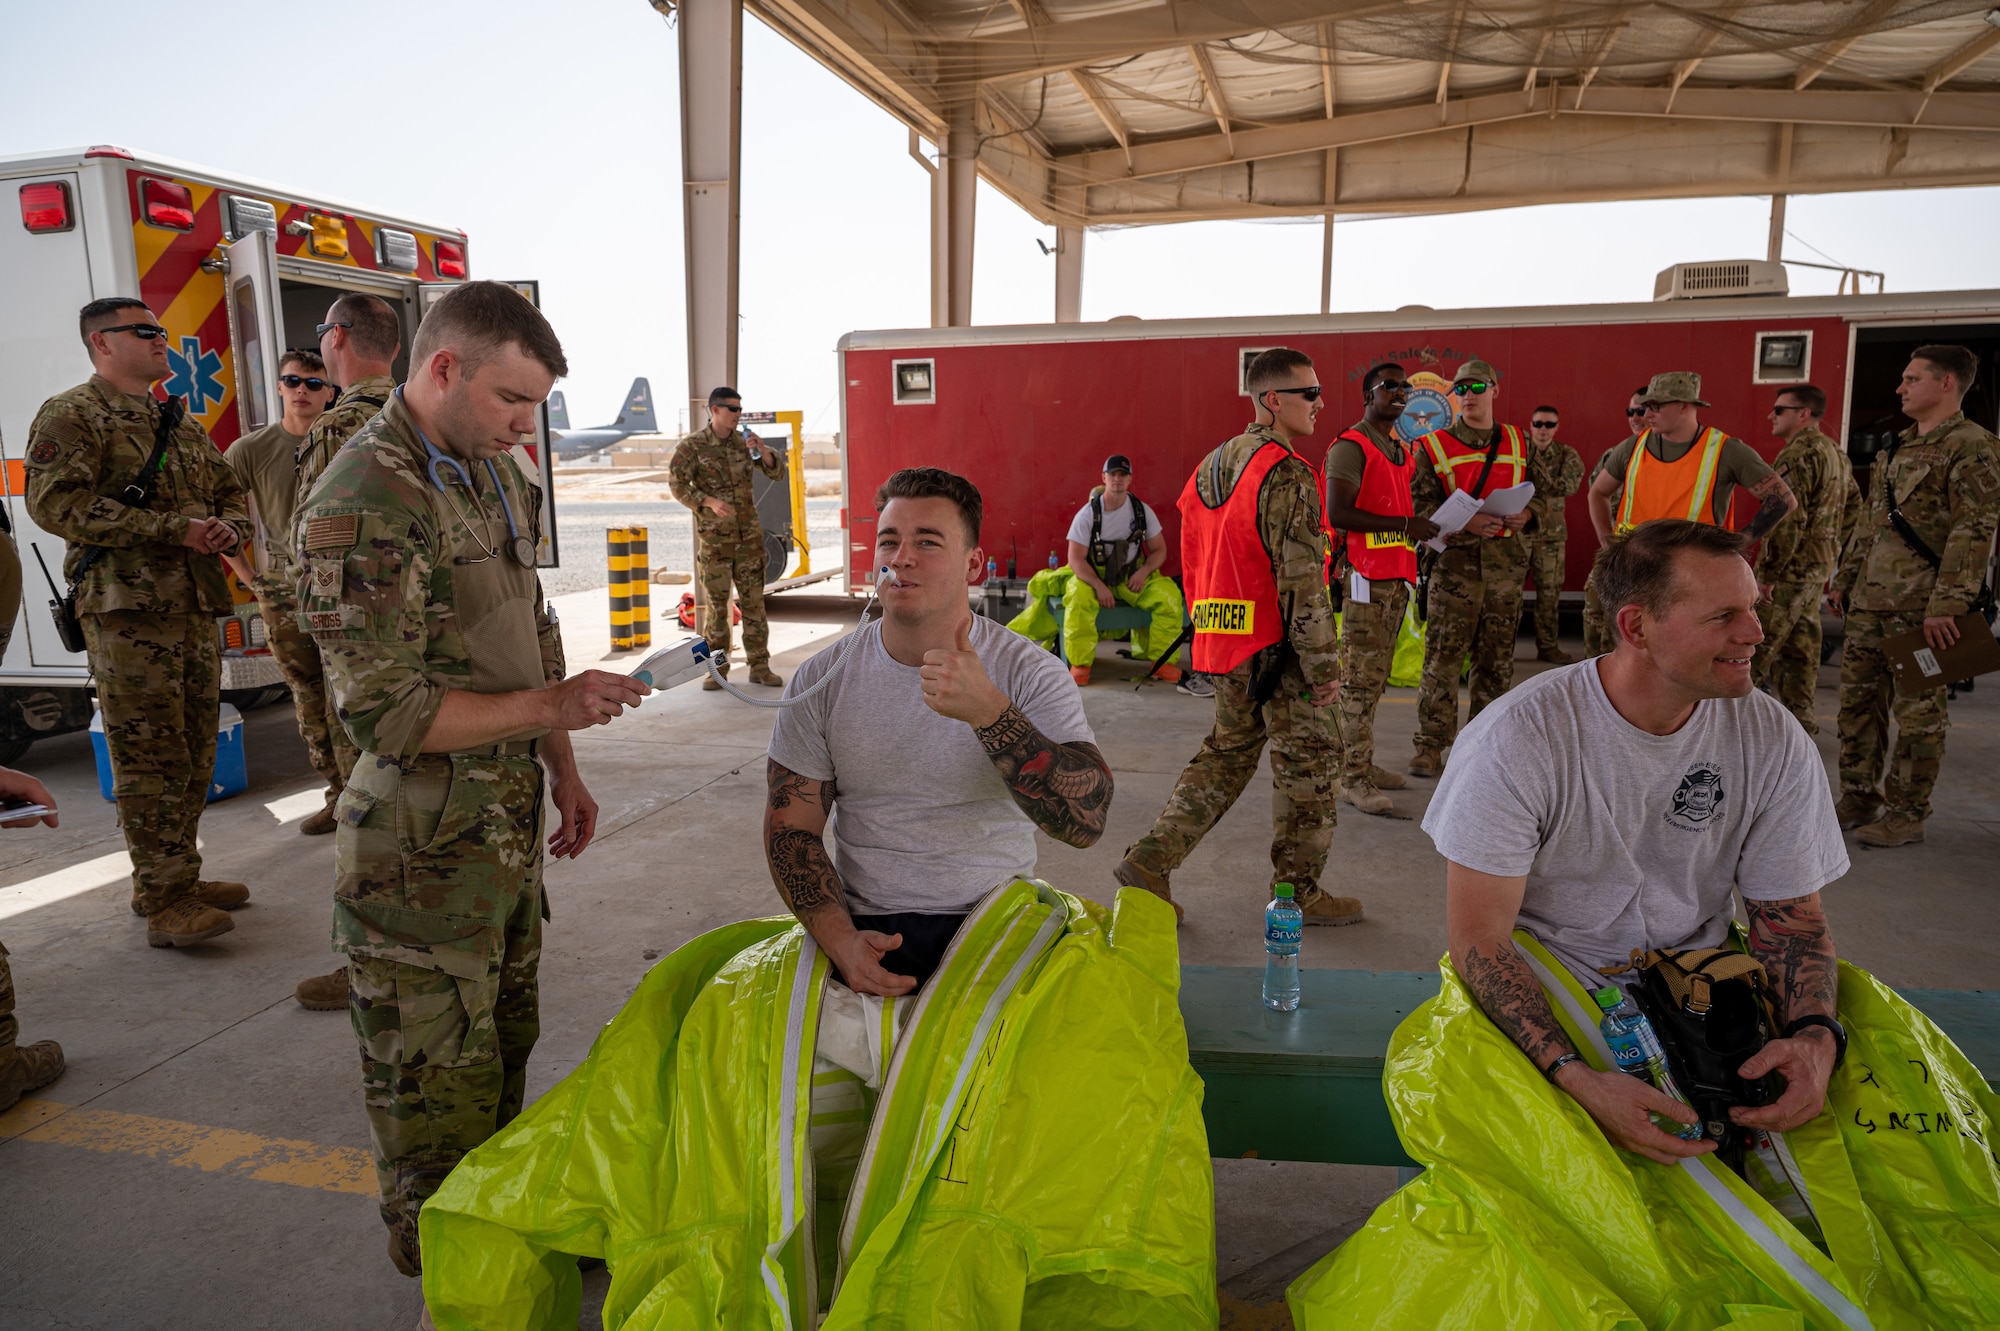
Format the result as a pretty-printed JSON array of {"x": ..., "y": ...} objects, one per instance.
[{"x": 417, "y": 578}]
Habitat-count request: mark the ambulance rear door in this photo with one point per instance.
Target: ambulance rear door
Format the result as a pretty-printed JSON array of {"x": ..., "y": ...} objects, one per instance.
[
  {"x": 256, "y": 327},
  {"x": 535, "y": 456}
]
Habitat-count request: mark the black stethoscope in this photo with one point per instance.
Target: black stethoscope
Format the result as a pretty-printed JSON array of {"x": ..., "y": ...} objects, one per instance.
[{"x": 518, "y": 547}]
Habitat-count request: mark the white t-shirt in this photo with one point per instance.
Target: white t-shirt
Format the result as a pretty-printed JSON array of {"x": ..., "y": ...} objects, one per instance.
[
  {"x": 922, "y": 821},
  {"x": 1117, "y": 525},
  {"x": 1629, "y": 839}
]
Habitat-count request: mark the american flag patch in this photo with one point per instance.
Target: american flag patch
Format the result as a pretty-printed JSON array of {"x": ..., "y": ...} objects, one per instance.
[{"x": 332, "y": 533}]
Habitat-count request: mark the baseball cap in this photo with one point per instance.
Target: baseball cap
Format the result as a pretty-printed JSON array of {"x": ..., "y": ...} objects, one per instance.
[
  {"x": 1675, "y": 386},
  {"x": 1476, "y": 369},
  {"x": 1117, "y": 462}
]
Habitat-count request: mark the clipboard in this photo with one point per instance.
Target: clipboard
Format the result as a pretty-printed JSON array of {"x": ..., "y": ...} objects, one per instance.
[{"x": 1918, "y": 667}]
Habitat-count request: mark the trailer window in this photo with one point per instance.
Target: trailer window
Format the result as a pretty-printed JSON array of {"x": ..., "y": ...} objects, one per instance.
[
  {"x": 249, "y": 380},
  {"x": 1244, "y": 355},
  {"x": 915, "y": 382}
]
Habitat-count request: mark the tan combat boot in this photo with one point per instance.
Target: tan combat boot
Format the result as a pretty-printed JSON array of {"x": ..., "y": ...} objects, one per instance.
[
  {"x": 1555, "y": 656},
  {"x": 28, "y": 1067},
  {"x": 320, "y": 823},
  {"x": 1857, "y": 810},
  {"x": 323, "y": 993},
  {"x": 185, "y": 923},
  {"x": 1427, "y": 763},
  {"x": 1129, "y": 874},
  {"x": 218, "y": 893},
  {"x": 1384, "y": 779},
  {"x": 1319, "y": 908},
  {"x": 766, "y": 676},
  {"x": 1369, "y": 800},
  {"x": 710, "y": 684},
  {"x": 1894, "y": 829}
]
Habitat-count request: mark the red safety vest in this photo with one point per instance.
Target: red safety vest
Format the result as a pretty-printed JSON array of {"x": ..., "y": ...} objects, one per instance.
[
  {"x": 1458, "y": 463},
  {"x": 1385, "y": 490},
  {"x": 1232, "y": 593}
]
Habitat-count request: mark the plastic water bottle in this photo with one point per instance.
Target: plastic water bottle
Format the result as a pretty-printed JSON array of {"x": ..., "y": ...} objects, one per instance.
[
  {"x": 1052, "y": 560},
  {"x": 1636, "y": 1046},
  {"x": 1282, "y": 925},
  {"x": 992, "y": 569}
]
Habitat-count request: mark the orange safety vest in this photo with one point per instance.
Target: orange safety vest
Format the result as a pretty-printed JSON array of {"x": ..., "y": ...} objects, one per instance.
[
  {"x": 1232, "y": 593},
  {"x": 1382, "y": 556},
  {"x": 1458, "y": 463},
  {"x": 1679, "y": 489}
]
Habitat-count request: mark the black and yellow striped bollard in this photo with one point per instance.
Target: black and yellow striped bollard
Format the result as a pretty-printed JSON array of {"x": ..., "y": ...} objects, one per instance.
[{"x": 631, "y": 588}]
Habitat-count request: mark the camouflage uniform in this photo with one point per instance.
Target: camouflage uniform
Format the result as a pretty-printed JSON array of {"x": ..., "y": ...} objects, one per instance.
[
  {"x": 711, "y": 466},
  {"x": 1473, "y": 606},
  {"x": 298, "y": 655},
  {"x": 1947, "y": 484},
  {"x": 1557, "y": 472},
  {"x": 438, "y": 856},
  {"x": 1796, "y": 560},
  {"x": 266, "y": 462},
  {"x": 1305, "y": 753},
  {"x": 1368, "y": 628},
  {"x": 148, "y": 609}
]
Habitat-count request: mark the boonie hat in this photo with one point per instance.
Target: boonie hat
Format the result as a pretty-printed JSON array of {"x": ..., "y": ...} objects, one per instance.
[
  {"x": 1476, "y": 369},
  {"x": 1674, "y": 386},
  {"x": 1117, "y": 462}
]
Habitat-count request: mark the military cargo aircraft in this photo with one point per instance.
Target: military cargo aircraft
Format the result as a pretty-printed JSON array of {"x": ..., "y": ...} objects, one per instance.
[{"x": 636, "y": 417}]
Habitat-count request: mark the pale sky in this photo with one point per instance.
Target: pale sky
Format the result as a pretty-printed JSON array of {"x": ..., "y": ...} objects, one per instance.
[{"x": 550, "y": 134}]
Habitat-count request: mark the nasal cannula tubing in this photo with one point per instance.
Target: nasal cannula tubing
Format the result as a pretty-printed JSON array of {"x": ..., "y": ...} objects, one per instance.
[{"x": 825, "y": 679}]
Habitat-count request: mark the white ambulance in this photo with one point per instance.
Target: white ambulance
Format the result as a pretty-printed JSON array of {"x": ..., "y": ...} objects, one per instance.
[{"x": 238, "y": 271}]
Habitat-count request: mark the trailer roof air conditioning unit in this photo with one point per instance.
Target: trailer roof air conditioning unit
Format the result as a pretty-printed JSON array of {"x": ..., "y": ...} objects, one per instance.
[{"x": 1721, "y": 277}]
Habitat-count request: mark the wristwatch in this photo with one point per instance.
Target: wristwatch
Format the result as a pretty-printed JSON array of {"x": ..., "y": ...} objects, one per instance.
[
  {"x": 1839, "y": 1033},
  {"x": 1552, "y": 1069}
]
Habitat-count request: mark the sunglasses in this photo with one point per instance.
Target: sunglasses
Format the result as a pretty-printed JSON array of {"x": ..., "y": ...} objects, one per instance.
[
  {"x": 1781, "y": 408},
  {"x": 1471, "y": 386},
  {"x": 1542, "y": 425},
  {"x": 1637, "y": 411},
  {"x": 295, "y": 380},
  {"x": 145, "y": 332},
  {"x": 321, "y": 330},
  {"x": 727, "y": 406},
  {"x": 1309, "y": 394}
]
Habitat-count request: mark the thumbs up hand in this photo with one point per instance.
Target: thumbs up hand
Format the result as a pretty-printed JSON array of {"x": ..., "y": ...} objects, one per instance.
[{"x": 956, "y": 685}]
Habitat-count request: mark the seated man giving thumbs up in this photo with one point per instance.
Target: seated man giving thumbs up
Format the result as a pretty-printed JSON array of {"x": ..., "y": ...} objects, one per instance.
[{"x": 945, "y": 740}]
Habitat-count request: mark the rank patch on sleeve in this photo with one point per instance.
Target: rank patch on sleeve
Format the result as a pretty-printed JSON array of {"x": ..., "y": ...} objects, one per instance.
[
  {"x": 326, "y": 577},
  {"x": 334, "y": 533},
  {"x": 44, "y": 452}
]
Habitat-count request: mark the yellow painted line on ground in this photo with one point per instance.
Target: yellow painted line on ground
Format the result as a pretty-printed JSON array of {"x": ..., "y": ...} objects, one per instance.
[{"x": 193, "y": 1146}]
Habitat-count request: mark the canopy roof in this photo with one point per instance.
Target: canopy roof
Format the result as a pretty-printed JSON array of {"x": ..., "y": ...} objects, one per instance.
[{"x": 1111, "y": 112}]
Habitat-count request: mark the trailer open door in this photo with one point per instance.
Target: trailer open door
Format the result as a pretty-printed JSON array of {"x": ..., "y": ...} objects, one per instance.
[
  {"x": 535, "y": 456},
  {"x": 256, "y": 328}
]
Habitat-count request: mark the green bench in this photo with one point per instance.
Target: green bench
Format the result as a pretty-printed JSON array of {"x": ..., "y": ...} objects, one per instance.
[
  {"x": 1115, "y": 619},
  {"x": 1307, "y": 1085}
]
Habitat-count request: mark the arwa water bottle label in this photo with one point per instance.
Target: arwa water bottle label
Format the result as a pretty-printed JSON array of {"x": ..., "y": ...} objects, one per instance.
[{"x": 1280, "y": 934}]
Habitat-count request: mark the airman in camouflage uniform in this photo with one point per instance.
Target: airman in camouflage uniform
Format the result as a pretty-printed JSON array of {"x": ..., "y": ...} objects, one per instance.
[
  {"x": 23, "y": 1068},
  {"x": 1296, "y": 719},
  {"x": 1474, "y": 596},
  {"x": 446, "y": 668},
  {"x": 710, "y": 473},
  {"x": 1945, "y": 479},
  {"x": 148, "y": 604},
  {"x": 1557, "y": 472},
  {"x": 1802, "y": 552}
]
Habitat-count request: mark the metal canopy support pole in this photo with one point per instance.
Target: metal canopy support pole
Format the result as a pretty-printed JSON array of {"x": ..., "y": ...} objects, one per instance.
[
  {"x": 937, "y": 171},
  {"x": 1069, "y": 271},
  {"x": 1774, "y": 249},
  {"x": 961, "y": 192},
  {"x": 1330, "y": 193},
  {"x": 711, "y": 51}
]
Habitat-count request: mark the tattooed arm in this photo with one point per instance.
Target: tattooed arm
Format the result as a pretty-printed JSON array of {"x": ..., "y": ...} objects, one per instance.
[
  {"x": 1791, "y": 938},
  {"x": 1774, "y": 500},
  {"x": 1064, "y": 788},
  {"x": 1480, "y": 911},
  {"x": 795, "y": 813}
]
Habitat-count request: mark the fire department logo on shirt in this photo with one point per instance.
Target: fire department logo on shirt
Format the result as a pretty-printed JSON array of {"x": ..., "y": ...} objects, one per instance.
[{"x": 1698, "y": 800}]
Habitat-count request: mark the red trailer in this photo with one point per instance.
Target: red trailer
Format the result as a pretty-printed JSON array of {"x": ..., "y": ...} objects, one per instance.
[{"x": 1028, "y": 413}]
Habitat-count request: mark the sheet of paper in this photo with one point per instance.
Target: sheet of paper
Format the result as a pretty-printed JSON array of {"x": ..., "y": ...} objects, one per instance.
[
  {"x": 1514, "y": 499},
  {"x": 1357, "y": 589},
  {"x": 1452, "y": 515}
]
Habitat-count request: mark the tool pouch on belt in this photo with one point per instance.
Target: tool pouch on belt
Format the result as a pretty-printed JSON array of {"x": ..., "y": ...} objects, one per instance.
[
  {"x": 1711, "y": 1008},
  {"x": 1267, "y": 667}
]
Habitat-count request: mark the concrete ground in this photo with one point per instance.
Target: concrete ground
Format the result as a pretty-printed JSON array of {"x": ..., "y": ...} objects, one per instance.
[{"x": 203, "y": 1161}]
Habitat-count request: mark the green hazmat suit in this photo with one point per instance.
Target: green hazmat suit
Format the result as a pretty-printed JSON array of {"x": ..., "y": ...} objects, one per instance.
[
  {"x": 1527, "y": 1217},
  {"x": 1035, "y": 1157}
]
